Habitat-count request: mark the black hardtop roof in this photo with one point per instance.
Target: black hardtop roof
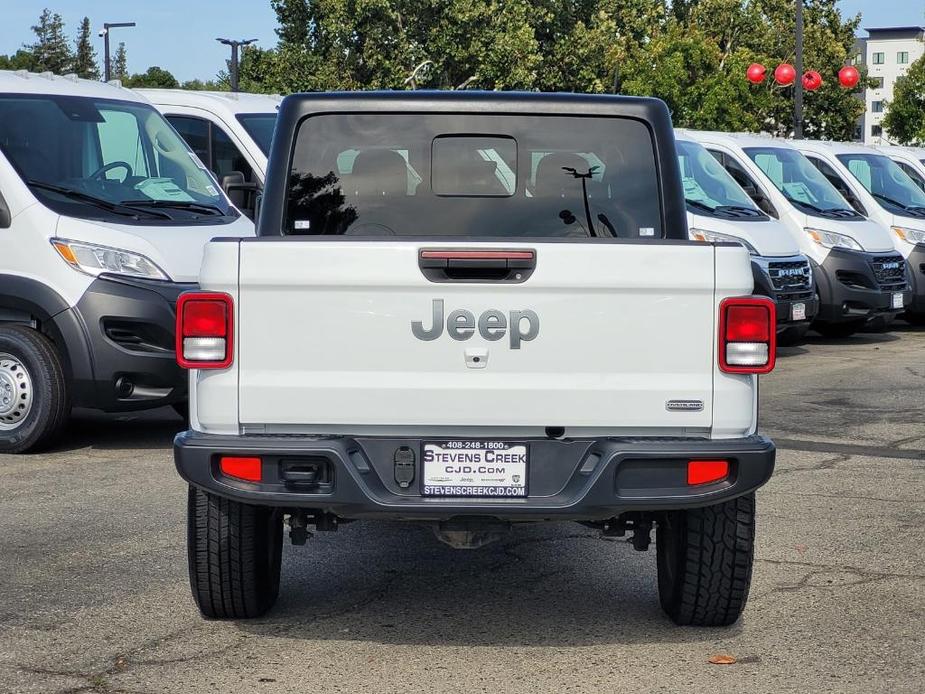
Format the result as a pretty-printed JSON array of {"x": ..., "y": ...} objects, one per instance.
[
  {"x": 296, "y": 107},
  {"x": 561, "y": 103}
]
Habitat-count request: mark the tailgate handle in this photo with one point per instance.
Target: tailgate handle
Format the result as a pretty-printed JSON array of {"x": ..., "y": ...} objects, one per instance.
[{"x": 473, "y": 265}]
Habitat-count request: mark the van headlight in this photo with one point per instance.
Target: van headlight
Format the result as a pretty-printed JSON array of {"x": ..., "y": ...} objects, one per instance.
[
  {"x": 714, "y": 237},
  {"x": 831, "y": 239},
  {"x": 909, "y": 235},
  {"x": 97, "y": 260}
]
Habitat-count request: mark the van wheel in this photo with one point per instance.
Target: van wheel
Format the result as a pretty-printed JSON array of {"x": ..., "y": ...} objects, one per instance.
[
  {"x": 834, "y": 330},
  {"x": 34, "y": 404},
  {"x": 705, "y": 562},
  {"x": 234, "y": 552}
]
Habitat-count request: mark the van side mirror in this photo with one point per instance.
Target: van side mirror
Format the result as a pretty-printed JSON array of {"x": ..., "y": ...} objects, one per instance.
[
  {"x": 6, "y": 216},
  {"x": 242, "y": 193}
]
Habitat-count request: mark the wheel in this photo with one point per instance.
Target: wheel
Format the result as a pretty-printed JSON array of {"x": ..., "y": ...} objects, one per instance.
[
  {"x": 846, "y": 329},
  {"x": 705, "y": 562},
  {"x": 234, "y": 551},
  {"x": 34, "y": 404},
  {"x": 792, "y": 336}
]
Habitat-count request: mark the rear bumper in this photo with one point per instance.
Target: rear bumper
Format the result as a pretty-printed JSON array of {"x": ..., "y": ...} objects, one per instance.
[
  {"x": 568, "y": 480},
  {"x": 849, "y": 290}
]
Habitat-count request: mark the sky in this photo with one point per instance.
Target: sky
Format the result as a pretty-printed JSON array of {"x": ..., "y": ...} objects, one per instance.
[{"x": 179, "y": 35}]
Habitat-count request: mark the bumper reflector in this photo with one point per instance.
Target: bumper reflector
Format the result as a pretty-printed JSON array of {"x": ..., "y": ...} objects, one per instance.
[
  {"x": 706, "y": 471},
  {"x": 247, "y": 469}
]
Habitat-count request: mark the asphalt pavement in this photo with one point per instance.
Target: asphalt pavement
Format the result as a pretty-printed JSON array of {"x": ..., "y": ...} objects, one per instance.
[{"x": 94, "y": 594}]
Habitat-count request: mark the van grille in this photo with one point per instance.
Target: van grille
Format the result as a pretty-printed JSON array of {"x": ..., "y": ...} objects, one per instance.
[
  {"x": 791, "y": 277},
  {"x": 890, "y": 272}
]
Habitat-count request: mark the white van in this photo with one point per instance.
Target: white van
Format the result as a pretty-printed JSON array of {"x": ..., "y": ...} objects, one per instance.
[
  {"x": 910, "y": 159},
  {"x": 880, "y": 188},
  {"x": 719, "y": 210},
  {"x": 104, "y": 213},
  {"x": 860, "y": 277},
  {"x": 230, "y": 131}
]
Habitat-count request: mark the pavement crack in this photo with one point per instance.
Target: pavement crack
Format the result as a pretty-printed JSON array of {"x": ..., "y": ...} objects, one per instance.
[
  {"x": 862, "y": 577},
  {"x": 826, "y": 464}
]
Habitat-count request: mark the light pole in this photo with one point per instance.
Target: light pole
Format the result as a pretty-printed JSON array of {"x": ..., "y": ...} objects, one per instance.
[
  {"x": 798, "y": 82},
  {"x": 235, "y": 44},
  {"x": 107, "y": 66}
]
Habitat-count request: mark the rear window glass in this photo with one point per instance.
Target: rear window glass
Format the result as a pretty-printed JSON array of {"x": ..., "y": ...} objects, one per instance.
[{"x": 473, "y": 175}]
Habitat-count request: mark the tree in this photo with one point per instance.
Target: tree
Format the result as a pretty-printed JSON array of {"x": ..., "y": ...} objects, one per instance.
[
  {"x": 20, "y": 60},
  {"x": 905, "y": 113},
  {"x": 119, "y": 67},
  {"x": 51, "y": 51},
  {"x": 154, "y": 76},
  {"x": 85, "y": 55}
]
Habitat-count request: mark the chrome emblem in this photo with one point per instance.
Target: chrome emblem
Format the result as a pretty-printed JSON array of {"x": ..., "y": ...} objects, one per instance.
[{"x": 684, "y": 405}]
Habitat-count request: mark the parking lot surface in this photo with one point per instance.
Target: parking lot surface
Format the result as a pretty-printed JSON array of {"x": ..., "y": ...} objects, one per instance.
[{"x": 94, "y": 594}]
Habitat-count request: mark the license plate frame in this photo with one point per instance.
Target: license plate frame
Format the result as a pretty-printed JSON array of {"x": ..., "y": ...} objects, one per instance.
[
  {"x": 798, "y": 311},
  {"x": 510, "y": 483},
  {"x": 897, "y": 301}
]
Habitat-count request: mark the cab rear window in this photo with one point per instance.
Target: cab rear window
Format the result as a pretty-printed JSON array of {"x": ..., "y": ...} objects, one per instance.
[{"x": 472, "y": 175}]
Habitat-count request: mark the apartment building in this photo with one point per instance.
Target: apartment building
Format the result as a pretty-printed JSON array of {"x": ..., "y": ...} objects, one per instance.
[{"x": 887, "y": 53}]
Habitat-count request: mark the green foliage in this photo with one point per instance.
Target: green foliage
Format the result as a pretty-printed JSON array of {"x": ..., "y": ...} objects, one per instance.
[
  {"x": 51, "y": 51},
  {"x": 85, "y": 55},
  {"x": 154, "y": 76},
  {"x": 905, "y": 114},
  {"x": 20, "y": 60},
  {"x": 119, "y": 64},
  {"x": 691, "y": 53}
]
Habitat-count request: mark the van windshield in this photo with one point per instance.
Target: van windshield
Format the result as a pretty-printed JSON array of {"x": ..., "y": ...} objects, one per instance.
[
  {"x": 800, "y": 182},
  {"x": 107, "y": 160},
  {"x": 886, "y": 182},
  {"x": 500, "y": 176},
  {"x": 260, "y": 127},
  {"x": 708, "y": 187}
]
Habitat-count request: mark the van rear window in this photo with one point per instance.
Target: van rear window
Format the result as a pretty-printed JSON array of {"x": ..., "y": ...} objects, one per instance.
[{"x": 493, "y": 176}]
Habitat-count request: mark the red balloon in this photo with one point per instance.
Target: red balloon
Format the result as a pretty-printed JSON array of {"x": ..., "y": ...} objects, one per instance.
[
  {"x": 756, "y": 73},
  {"x": 849, "y": 76},
  {"x": 785, "y": 74},
  {"x": 812, "y": 80}
]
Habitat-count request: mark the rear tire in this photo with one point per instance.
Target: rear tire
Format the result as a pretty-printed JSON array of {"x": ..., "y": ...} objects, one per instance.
[
  {"x": 234, "y": 553},
  {"x": 34, "y": 399},
  {"x": 836, "y": 330},
  {"x": 705, "y": 560}
]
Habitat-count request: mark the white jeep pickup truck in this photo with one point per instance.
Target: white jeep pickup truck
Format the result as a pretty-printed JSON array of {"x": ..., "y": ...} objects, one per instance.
[{"x": 473, "y": 310}]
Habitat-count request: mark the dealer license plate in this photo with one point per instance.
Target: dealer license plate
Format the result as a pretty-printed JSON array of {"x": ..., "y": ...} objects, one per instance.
[
  {"x": 474, "y": 468},
  {"x": 798, "y": 311},
  {"x": 897, "y": 299}
]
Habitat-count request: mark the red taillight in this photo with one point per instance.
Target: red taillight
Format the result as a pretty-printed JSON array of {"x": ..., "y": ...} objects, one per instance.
[
  {"x": 247, "y": 469},
  {"x": 706, "y": 471},
  {"x": 747, "y": 335},
  {"x": 204, "y": 330}
]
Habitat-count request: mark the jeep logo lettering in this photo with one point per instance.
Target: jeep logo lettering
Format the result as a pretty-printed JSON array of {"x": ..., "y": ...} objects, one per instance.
[{"x": 524, "y": 325}]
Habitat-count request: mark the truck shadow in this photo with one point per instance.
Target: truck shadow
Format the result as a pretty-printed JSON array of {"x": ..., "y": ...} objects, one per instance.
[
  {"x": 545, "y": 585},
  {"x": 148, "y": 430}
]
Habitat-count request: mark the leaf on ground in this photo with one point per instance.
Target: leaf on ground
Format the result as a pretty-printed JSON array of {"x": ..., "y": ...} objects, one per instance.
[{"x": 722, "y": 659}]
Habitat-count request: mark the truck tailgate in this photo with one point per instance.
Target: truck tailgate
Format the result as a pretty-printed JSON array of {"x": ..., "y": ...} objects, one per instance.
[{"x": 326, "y": 338}]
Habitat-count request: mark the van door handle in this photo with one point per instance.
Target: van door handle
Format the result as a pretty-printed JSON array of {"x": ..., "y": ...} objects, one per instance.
[{"x": 477, "y": 265}]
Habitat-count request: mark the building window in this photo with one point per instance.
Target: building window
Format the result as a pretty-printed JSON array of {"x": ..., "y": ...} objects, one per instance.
[
  {"x": 878, "y": 82},
  {"x": 876, "y": 106},
  {"x": 878, "y": 58},
  {"x": 902, "y": 57},
  {"x": 876, "y": 130}
]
